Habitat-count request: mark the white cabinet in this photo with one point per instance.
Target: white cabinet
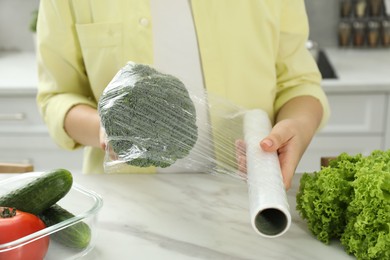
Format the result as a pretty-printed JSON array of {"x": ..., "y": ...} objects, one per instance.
[
  {"x": 357, "y": 125},
  {"x": 352, "y": 113},
  {"x": 19, "y": 113},
  {"x": 23, "y": 135}
]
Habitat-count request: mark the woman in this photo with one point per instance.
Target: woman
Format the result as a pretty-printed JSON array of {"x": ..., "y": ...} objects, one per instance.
[{"x": 251, "y": 52}]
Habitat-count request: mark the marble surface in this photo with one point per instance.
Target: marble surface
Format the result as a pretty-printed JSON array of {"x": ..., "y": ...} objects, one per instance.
[{"x": 190, "y": 216}]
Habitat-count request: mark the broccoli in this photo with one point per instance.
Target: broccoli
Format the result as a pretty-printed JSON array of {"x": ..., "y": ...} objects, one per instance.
[
  {"x": 148, "y": 116},
  {"x": 350, "y": 200}
]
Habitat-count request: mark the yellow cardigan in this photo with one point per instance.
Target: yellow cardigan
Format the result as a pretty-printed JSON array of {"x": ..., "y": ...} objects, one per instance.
[{"x": 252, "y": 53}]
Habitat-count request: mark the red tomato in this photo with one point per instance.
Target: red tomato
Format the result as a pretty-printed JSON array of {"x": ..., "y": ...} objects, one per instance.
[{"x": 15, "y": 224}]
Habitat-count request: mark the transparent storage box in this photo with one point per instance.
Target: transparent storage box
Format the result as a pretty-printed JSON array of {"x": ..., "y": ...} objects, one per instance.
[{"x": 84, "y": 204}]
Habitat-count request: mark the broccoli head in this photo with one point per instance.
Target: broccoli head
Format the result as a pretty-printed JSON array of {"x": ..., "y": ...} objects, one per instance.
[{"x": 148, "y": 116}]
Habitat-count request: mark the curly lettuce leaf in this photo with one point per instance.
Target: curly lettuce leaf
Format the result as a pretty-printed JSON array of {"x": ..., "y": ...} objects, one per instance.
[
  {"x": 367, "y": 234},
  {"x": 350, "y": 200},
  {"x": 322, "y": 201}
]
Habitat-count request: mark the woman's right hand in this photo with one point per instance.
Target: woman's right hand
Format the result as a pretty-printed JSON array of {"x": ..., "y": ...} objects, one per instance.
[
  {"x": 105, "y": 145},
  {"x": 103, "y": 138}
]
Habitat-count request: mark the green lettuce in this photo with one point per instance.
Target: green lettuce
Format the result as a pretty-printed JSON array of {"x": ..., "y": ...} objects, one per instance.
[{"x": 350, "y": 200}]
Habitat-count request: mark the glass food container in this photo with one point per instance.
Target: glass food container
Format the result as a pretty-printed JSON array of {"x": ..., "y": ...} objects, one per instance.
[{"x": 84, "y": 204}]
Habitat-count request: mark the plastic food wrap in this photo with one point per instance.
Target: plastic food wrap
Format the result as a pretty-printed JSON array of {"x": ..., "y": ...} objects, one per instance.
[
  {"x": 148, "y": 125},
  {"x": 152, "y": 120}
]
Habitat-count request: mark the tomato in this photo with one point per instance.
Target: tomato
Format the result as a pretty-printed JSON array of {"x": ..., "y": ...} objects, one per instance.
[{"x": 15, "y": 224}]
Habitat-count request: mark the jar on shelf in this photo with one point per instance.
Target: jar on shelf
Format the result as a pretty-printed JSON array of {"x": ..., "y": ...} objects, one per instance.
[
  {"x": 360, "y": 8},
  {"x": 346, "y": 8},
  {"x": 375, "y": 7},
  {"x": 373, "y": 33},
  {"x": 385, "y": 34},
  {"x": 359, "y": 33},
  {"x": 344, "y": 33}
]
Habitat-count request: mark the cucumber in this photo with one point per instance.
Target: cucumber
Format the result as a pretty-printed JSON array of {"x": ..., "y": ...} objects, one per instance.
[
  {"x": 40, "y": 193},
  {"x": 76, "y": 236}
]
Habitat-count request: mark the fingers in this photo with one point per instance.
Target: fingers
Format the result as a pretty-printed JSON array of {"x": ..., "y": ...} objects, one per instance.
[
  {"x": 241, "y": 157},
  {"x": 106, "y": 146},
  {"x": 111, "y": 154},
  {"x": 281, "y": 140},
  {"x": 240, "y": 148},
  {"x": 241, "y": 163},
  {"x": 288, "y": 171},
  {"x": 103, "y": 138},
  {"x": 288, "y": 160}
]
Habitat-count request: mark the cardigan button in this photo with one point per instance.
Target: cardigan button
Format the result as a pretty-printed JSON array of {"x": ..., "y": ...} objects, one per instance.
[{"x": 144, "y": 22}]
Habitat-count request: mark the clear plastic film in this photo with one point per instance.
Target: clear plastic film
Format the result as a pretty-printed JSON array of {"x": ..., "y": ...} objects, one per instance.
[{"x": 152, "y": 120}]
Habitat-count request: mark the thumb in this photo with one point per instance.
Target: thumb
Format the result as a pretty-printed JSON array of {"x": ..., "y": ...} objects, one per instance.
[
  {"x": 276, "y": 138},
  {"x": 267, "y": 144}
]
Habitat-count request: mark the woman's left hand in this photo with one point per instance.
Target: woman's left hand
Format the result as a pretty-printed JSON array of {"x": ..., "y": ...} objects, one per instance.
[
  {"x": 296, "y": 125},
  {"x": 286, "y": 139},
  {"x": 289, "y": 140}
]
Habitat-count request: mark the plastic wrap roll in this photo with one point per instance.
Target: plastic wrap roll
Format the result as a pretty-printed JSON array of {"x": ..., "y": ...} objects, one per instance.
[{"x": 269, "y": 209}]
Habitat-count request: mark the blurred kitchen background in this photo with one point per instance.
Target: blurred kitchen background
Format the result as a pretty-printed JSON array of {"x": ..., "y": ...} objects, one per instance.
[
  {"x": 15, "y": 16},
  {"x": 358, "y": 85}
]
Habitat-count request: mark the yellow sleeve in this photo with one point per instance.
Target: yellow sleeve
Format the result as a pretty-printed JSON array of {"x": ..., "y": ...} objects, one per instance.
[
  {"x": 63, "y": 82},
  {"x": 297, "y": 71}
]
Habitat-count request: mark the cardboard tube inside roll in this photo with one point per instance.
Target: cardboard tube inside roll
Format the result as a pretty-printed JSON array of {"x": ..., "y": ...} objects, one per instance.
[{"x": 269, "y": 209}]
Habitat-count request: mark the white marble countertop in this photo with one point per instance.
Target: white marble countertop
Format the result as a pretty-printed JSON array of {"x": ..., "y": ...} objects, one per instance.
[
  {"x": 358, "y": 70},
  {"x": 190, "y": 216}
]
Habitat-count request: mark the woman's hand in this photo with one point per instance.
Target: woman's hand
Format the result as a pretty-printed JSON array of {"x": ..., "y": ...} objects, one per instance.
[
  {"x": 82, "y": 123},
  {"x": 296, "y": 125},
  {"x": 241, "y": 158},
  {"x": 105, "y": 145},
  {"x": 287, "y": 139},
  {"x": 102, "y": 138}
]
